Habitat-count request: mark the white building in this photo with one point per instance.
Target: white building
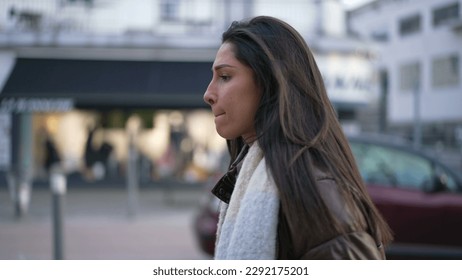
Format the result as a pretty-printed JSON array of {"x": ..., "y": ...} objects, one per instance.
[{"x": 419, "y": 61}]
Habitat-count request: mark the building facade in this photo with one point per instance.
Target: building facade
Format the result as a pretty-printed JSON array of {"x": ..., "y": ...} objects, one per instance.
[
  {"x": 419, "y": 56},
  {"x": 67, "y": 65}
]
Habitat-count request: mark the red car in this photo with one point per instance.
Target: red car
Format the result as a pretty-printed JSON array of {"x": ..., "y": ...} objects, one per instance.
[{"x": 419, "y": 196}]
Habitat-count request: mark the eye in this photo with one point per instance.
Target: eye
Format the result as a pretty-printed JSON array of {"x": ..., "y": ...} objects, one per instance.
[{"x": 225, "y": 77}]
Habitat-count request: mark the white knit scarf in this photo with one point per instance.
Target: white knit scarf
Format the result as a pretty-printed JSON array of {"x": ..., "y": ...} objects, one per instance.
[{"x": 247, "y": 227}]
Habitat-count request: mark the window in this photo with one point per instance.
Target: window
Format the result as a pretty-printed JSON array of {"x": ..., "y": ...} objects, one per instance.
[
  {"x": 446, "y": 71},
  {"x": 410, "y": 25},
  {"x": 380, "y": 36},
  {"x": 88, "y": 3},
  {"x": 445, "y": 14},
  {"x": 170, "y": 10},
  {"x": 392, "y": 167},
  {"x": 409, "y": 76}
]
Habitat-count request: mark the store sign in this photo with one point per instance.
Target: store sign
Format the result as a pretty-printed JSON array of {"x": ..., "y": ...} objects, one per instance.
[
  {"x": 24, "y": 105},
  {"x": 340, "y": 82},
  {"x": 5, "y": 141},
  {"x": 348, "y": 78}
]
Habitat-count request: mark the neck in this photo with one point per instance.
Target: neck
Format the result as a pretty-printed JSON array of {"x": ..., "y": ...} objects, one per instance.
[{"x": 249, "y": 140}]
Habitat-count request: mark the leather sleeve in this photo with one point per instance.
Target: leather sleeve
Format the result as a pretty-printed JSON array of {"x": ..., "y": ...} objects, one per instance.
[
  {"x": 351, "y": 246},
  {"x": 358, "y": 241}
]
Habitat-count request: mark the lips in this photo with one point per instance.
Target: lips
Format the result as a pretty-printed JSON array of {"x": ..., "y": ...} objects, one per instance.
[{"x": 219, "y": 114}]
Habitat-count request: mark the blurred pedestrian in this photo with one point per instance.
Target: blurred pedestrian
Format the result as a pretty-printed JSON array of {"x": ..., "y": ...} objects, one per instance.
[
  {"x": 90, "y": 151},
  {"x": 298, "y": 193}
]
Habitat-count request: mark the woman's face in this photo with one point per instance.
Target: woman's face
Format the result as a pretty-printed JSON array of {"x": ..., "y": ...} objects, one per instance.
[{"x": 233, "y": 96}]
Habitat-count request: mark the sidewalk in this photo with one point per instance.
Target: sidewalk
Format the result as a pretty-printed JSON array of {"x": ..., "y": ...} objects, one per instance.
[{"x": 97, "y": 225}]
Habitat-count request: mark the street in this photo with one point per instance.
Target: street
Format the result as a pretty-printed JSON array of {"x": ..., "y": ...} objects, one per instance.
[{"x": 99, "y": 223}]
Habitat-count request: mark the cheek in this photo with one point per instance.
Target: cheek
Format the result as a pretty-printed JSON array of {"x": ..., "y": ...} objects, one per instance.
[
  {"x": 245, "y": 114},
  {"x": 255, "y": 102}
]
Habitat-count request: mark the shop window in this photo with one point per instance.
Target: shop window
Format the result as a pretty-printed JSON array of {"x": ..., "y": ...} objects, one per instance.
[
  {"x": 446, "y": 71},
  {"x": 409, "y": 75},
  {"x": 410, "y": 25},
  {"x": 445, "y": 14}
]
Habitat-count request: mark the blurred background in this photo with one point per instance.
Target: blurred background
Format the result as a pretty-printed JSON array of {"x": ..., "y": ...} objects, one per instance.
[{"x": 106, "y": 145}]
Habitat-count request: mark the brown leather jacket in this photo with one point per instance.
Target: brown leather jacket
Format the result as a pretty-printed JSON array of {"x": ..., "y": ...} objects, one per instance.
[{"x": 357, "y": 243}]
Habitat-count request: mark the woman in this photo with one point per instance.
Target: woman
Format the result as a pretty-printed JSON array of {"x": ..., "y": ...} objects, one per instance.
[{"x": 298, "y": 192}]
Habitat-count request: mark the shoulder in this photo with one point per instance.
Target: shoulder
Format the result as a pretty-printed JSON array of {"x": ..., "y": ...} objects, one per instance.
[{"x": 355, "y": 242}]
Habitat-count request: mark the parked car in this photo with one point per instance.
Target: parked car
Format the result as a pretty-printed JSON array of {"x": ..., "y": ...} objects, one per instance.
[
  {"x": 418, "y": 195},
  {"x": 206, "y": 221}
]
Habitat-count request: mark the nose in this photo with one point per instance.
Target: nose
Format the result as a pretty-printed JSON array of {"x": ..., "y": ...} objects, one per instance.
[{"x": 209, "y": 97}]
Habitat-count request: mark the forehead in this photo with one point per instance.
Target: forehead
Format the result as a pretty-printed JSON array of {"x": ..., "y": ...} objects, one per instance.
[{"x": 226, "y": 55}]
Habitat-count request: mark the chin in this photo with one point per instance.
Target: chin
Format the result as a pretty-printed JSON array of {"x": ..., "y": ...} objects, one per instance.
[{"x": 226, "y": 136}]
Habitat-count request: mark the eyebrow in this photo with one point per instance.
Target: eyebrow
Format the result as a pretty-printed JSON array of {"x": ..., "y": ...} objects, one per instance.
[{"x": 220, "y": 66}]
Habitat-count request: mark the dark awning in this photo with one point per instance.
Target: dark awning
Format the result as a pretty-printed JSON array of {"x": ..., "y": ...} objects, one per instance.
[{"x": 111, "y": 83}]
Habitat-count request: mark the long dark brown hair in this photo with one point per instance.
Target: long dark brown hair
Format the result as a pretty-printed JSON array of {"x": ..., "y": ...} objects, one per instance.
[{"x": 297, "y": 127}]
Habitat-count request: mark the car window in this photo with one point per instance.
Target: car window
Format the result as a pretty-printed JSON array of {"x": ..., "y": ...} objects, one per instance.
[{"x": 392, "y": 167}]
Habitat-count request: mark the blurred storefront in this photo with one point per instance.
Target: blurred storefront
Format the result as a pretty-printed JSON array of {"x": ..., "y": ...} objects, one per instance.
[
  {"x": 95, "y": 145},
  {"x": 92, "y": 109}
]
